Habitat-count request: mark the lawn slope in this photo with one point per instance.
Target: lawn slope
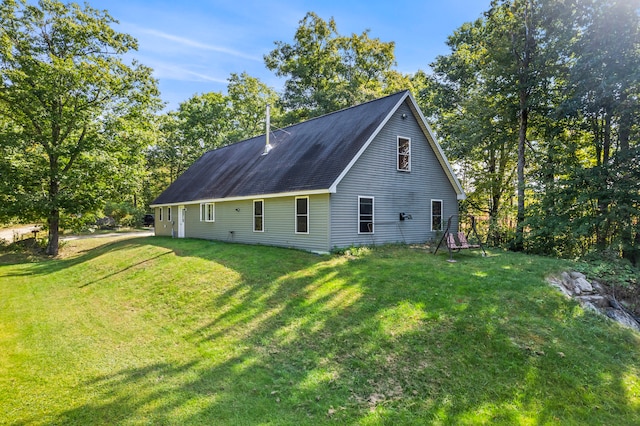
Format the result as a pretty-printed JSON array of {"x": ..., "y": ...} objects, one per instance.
[{"x": 162, "y": 331}]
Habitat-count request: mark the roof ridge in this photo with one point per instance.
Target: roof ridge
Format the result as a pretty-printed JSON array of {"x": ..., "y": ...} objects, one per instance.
[{"x": 262, "y": 135}]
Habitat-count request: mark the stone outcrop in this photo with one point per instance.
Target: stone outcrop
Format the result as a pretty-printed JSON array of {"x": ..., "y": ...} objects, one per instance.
[{"x": 593, "y": 296}]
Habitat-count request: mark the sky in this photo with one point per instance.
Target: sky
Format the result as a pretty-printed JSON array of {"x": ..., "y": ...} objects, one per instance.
[{"x": 193, "y": 46}]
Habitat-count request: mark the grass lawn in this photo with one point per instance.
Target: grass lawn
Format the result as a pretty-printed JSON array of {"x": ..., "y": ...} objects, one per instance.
[{"x": 162, "y": 331}]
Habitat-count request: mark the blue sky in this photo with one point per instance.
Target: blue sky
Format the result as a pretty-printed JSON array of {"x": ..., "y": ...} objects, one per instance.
[{"x": 193, "y": 46}]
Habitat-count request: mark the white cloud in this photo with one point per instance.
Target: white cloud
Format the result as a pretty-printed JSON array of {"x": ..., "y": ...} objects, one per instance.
[{"x": 196, "y": 44}]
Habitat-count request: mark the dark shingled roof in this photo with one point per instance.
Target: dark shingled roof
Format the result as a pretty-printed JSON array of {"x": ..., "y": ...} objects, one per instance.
[{"x": 306, "y": 156}]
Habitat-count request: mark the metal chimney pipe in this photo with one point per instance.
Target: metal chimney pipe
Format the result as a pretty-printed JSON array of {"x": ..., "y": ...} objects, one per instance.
[{"x": 267, "y": 146}]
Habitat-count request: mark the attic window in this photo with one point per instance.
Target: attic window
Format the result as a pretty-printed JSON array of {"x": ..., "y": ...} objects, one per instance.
[
  {"x": 404, "y": 154},
  {"x": 207, "y": 212}
]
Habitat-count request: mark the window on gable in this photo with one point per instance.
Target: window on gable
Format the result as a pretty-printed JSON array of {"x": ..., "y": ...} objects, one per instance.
[
  {"x": 436, "y": 215},
  {"x": 404, "y": 154},
  {"x": 160, "y": 213},
  {"x": 258, "y": 216},
  {"x": 169, "y": 214},
  {"x": 365, "y": 215},
  {"x": 207, "y": 212},
  {"x": 302, "y": 215}
]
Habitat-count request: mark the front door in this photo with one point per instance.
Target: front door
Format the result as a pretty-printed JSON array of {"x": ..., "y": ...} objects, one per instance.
[{"x": 182, "y": 212}]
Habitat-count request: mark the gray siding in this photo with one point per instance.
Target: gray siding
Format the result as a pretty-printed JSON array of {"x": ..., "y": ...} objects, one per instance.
[
  {"x": 234, "y": 222},
  {"x": 163, "y": 227},
  {"x": 375, "y": 174}
]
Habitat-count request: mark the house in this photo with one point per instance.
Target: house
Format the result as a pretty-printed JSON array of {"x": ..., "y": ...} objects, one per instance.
[{"x": 366, "y": 175}]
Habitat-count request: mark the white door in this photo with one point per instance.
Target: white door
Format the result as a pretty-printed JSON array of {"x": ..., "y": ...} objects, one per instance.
[{"x": 182, "y": 212}]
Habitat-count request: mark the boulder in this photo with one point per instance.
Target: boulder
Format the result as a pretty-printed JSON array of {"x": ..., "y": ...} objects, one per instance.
[{"x": 583, "y": 285}]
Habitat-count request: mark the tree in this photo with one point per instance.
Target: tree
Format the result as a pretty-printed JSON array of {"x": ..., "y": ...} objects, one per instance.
[
  {"x": 62, "y": 79},
  {"x": 207, "y": 121},
  {"x": 248, "y": 98},
  {"x": 327, "y": 71}
]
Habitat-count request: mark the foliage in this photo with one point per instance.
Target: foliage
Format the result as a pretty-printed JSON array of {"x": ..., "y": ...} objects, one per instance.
[
  {"x": 125, "y": 214},
  {"x": 327, "y": 71},
  {"x": 169, "y": 331},
  {"x": 204, "y": 122},
  {"x": 63, "y": 86},
  {"x": 576, "y": 84}
]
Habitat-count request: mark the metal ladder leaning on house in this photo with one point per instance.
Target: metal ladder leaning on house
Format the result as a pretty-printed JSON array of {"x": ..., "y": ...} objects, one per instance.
[{"x": 462, "y": 243}]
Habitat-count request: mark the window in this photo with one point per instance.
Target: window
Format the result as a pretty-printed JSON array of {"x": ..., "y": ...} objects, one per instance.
[
  {"x": 160, "y": 213},
  {"x": 404, "y": 154},
  {"x": 436, "y": 215},
  {"x": 258, "y": 216},
  {"x": 169, "y": 214},
  {"x": 207, "y": 212},
  {"x": 365, "y": 215},
  {"x": 302, "y": 215}
]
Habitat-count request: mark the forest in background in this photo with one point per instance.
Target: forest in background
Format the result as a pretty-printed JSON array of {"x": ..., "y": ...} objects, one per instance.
[{"x": 536, "y": 105}]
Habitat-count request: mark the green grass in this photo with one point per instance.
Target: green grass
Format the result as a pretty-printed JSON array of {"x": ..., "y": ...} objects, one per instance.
[{"x": 162, "y": 331}]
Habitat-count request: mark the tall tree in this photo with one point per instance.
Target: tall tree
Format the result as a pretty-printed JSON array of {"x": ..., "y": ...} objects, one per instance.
[
  {"x": 248, "y": 99},
  {"x": 62, "y": 77},
  {"x": 327, "y": 71}
]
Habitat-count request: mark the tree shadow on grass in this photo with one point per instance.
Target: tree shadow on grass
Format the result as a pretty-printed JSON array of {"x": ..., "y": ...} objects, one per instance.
[{"x": 390, "y": 337}]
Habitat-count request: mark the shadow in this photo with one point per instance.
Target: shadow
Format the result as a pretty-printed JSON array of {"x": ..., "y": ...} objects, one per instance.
[{"x": 393, "y": 336}]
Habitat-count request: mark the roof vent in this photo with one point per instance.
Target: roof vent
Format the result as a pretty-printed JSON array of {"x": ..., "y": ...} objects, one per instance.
[{"x": 267, "y": 146}]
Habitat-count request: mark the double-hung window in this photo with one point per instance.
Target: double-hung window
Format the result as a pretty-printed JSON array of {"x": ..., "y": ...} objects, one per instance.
[
  {"x": 207, "y": 212},
  {"x": 258, "y": 216},
  {"x": 404, "y": 154},
  {"x": 302, "y": 215},
  {"x": 365, "y": 215},
  {"x": 436, "y": 215}
]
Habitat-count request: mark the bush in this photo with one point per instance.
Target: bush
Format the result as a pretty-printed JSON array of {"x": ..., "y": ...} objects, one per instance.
[{"x": 125, "y": 214}]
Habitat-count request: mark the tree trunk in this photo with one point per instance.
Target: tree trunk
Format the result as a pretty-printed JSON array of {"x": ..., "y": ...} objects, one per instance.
[
  {"x": 54, "y": 233},
  {"x": 54, "y": 211},
  {"x": 522, "y": 138}
]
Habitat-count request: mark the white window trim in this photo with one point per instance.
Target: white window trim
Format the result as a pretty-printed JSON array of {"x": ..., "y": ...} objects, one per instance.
[
  {"x": 204, "y": 212},
  {"x": 408, "y": 169},
  {"x": 441, "y": 215},
  {"x": 295, "y": 211},
  {"x": 160, "y": 218},
  {"x": 373, "y": 214},
  {"x": 253, "y": 216},
  {"x": 169, "y": 214}
]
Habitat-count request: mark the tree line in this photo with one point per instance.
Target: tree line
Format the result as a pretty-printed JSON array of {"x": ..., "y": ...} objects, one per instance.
[{"x": 536, "y": 105}]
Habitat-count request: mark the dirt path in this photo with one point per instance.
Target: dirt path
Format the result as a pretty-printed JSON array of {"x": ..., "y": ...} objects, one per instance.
[{"x": 8, "y": 233}]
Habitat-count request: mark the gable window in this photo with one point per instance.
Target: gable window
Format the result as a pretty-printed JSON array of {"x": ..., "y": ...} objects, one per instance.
[
  {"x": 365, "y": 215},
  {"x": 436, "y": 215},
  {"x": 302, "y": 215},
  {"x": 207, "y": 212},
  {"x": 160, "y": 213},
  {"x": 404, "y": 154},
  {"x": 168, "y": 214},
  {"x": 258, "y": 216}
]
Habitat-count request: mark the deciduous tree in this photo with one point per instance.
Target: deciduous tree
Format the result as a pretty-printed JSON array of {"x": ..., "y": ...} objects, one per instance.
[{"x": 62, "y": 80}]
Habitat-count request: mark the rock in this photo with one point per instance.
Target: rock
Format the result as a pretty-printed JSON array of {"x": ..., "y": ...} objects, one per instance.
[
  {"x": 577, "y": 275},
  {"x": 559, "y": 285},
  {"x": 623, "y": 318},
  {"x": 582, "y": 284},
  {"x": 597, "y": 287},
  {"x": 595, "y": 299}
]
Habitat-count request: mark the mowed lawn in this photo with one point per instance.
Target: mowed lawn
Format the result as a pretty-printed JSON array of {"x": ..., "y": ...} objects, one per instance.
[{"x": 163, "y": 331}]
